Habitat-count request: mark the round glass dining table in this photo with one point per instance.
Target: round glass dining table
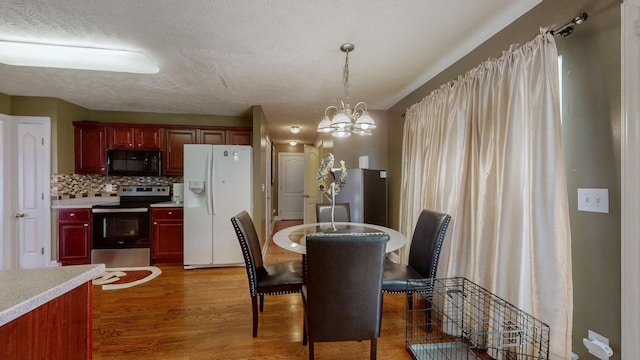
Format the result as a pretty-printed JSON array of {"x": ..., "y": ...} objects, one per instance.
[{"x": 293, "y": 238}]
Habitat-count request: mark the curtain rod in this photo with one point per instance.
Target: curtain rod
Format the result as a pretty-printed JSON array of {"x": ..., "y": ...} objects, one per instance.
[
  {"x": 567, "y": 28},
  {"x": 563, "y": 31}
]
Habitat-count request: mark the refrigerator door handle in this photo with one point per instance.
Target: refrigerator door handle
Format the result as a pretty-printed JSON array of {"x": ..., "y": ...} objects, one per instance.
[{"x": 209, "y": 181}]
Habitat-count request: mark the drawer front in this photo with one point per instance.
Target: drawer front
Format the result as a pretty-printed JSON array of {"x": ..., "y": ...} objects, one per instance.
[
  {"x": 74, "y": 214},
  {"x": 166, "y": 213}
]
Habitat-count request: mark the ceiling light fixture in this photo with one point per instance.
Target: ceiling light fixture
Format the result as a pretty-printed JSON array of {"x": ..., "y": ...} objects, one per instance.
[
  {"x": 295, "y": 129},
  {"x": 293, "y": 143},
  {"x": 347, "y": 120},
  {"x": 71, "y": 57}
]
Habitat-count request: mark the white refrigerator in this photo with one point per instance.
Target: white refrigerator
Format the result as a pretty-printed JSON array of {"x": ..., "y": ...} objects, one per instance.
[{"x": 217, "y": 186}]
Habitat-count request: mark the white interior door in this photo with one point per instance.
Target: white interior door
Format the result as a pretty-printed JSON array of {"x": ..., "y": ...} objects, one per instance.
[
  {"x": 291, "y": 186},
  {"x": 26, "y": 167},
  {"x": 311, "y": 193}
]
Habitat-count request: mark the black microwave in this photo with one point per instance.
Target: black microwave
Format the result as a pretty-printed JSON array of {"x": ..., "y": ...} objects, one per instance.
[{"x": 134, "y": 163}]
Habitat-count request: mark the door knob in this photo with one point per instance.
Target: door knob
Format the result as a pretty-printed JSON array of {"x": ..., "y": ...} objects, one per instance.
[{"x": 19, "y": 215}]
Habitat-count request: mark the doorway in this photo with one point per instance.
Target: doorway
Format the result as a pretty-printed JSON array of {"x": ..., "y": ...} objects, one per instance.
[
  {"x": 290, "y": 186},
  {"x": 25, "y": 204}
]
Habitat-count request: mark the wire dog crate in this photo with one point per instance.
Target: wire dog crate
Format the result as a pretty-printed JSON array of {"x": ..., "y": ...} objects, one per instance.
[{"x": 451, "y": 319}]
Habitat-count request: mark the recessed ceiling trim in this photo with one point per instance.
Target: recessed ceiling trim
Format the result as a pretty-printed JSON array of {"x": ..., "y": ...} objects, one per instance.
[{"x": 79, "y": 58}]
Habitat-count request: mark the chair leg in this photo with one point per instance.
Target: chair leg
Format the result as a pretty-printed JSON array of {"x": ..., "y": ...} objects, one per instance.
[
  {"x": 374, "y": 348},
  {"x": 310, "y": 350},
  {"x": 427, "y": 316},
  {"x": 304, "y": 330},
  {"x": 261, "y": 303},
  {"x": 254, "y": 309}
]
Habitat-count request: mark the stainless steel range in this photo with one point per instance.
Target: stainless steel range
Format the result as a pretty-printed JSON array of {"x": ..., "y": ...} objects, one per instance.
[{"x": 121, "y": 231}]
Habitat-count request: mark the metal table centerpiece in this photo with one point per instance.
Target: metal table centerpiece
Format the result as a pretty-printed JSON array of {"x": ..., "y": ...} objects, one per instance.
[{"x": 328, "y": 184}]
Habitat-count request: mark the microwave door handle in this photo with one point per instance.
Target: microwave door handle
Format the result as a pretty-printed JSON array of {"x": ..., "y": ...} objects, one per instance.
[
  {"x": 104, "y": 228},
  {"x": 208, "y": 182}
]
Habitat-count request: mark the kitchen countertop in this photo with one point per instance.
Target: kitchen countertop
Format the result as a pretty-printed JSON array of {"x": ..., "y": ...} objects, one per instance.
[
  {"x": 85, "y": 202},
  {"x": 167, "y": 204},
  {"x": 23, "y": 290},
  {"x": 88, "y": 202}
]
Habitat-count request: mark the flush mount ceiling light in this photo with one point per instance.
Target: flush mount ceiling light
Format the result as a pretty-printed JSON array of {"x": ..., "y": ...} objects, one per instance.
[
  {"x": 293, "y": 143},
  {"x": 71, "y": 57},
  {"x": 347, "y": 120},
  {"x": 295, "y": 129}
]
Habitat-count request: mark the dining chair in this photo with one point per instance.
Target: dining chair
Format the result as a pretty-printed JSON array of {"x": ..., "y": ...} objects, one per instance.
[
  {"x": 424, "y": 253},
  {"x": 273, "y": 279},
  {"x": 342, "y": 297},
  {"x": 341, "y": 212}
]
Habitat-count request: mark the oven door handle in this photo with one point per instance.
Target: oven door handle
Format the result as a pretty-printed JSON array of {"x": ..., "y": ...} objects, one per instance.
[{"x": 119, "y": 210}]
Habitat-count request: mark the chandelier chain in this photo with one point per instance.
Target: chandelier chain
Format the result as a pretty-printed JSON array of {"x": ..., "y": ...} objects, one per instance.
[{"x": 345, "y": 77}]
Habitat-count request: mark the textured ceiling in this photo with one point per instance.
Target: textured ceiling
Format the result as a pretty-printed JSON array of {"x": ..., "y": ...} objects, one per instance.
[{"x": 223, "y": 56}]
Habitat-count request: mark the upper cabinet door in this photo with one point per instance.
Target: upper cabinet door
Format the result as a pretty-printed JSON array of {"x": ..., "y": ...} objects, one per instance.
[
  {"x": 120, "y": 138},
  {"x": 133, "y": 138},
  {"x": 174, "y": 153},
  {"x": 240, "y": 137},
  {"x": 147, "y": 138},
  {"x": 212, "y": 137},
  {"x": 91, "y": 149}
]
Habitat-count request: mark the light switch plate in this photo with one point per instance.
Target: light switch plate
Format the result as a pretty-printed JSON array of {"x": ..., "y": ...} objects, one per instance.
[{"x": 593, "y": 200}]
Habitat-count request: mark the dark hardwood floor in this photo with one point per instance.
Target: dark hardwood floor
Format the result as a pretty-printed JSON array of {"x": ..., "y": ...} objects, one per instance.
[{"x": 206, "y": 314}]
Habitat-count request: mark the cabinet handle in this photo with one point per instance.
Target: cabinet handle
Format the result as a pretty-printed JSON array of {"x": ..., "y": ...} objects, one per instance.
[
  {"x": 170, "y": 212},
  {"x": 155, "y": 223},
  {"x": 72, "y": 214},
  {"x": 85, "y": 225}
]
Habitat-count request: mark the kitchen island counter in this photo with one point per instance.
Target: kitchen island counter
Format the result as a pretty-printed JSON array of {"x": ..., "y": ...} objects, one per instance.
[
  {"x": 22, "y": 291},
  {"x": 47, "y": 313}
]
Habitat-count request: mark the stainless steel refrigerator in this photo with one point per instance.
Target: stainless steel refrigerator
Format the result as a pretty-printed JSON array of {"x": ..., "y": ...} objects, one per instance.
[
  {"x": 366, "y": 192},
  {"x": 217, "y": 186}
]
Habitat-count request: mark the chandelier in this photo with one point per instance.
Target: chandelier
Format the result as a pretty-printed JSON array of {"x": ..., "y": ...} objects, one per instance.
[{"x": 346, "y": 120}]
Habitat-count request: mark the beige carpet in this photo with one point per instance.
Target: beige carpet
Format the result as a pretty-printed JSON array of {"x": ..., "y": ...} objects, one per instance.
[{"x": 123, "y": 278}]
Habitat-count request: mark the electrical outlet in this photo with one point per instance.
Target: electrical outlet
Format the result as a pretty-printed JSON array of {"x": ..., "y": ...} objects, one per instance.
[{"x": 593, "y": 200}]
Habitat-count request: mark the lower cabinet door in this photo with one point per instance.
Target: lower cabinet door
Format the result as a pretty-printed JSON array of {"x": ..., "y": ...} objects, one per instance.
[
  {"x": 74, "y": 243},
  {"x": 166, "y": 236}
]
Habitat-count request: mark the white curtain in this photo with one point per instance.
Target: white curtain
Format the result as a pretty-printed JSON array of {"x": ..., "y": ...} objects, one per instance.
[{"x": 487, "y": 150}]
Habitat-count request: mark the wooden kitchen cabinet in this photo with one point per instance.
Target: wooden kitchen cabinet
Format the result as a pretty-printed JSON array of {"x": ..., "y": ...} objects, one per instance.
[
  {"x": 133, "y": 138},
  {"x": 167, "y": 235},
  {"x": 90, "y": 148},
  {"x": 174, "y": 152},
  {"x": 92, "y": 139},
  {"x": 213, "y": 137},
  {"x": 74, "y": 236},
  {"x": 240, "y": 137}
]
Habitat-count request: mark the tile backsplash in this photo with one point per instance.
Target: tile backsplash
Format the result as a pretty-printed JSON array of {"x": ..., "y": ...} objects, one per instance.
[{"x": 69, "y": 186}]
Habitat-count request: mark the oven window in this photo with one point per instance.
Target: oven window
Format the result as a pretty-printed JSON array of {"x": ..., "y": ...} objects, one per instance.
[{"x": 120, "y": 230}]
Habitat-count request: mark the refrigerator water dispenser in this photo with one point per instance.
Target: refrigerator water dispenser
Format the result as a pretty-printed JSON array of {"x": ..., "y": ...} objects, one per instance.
[{"x": 197, "y": 198}]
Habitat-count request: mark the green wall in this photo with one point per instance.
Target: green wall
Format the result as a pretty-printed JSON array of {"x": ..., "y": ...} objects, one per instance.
[
  {"x": 350, "y": 149},
  {"x": 5, "y": 104},
  {"x": 62, "y": 114},
  {"x": 591, "y": 137}
]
